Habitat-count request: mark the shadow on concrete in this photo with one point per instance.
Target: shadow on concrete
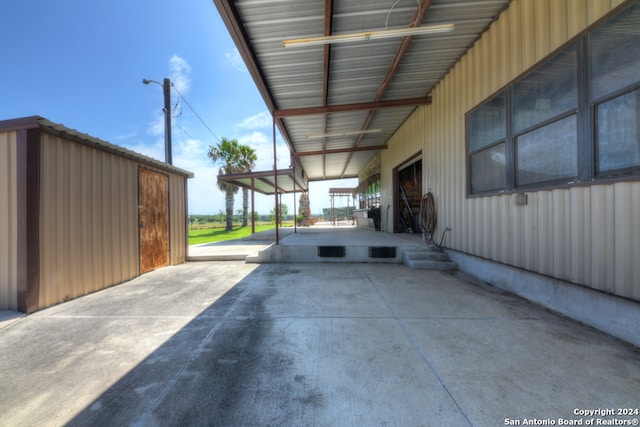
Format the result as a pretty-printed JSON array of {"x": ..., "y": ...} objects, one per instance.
[
  {"x": 197, "y": 377},
  {"x": 235, "y": 344}
]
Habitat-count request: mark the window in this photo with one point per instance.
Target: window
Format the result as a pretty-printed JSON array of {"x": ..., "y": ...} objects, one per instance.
[
  {"x": 619, "y": 133},
  {"x": 488, "y": 124},
  {"x": 575, "y": 117},
  {"x": 541, "y": 102},
  {"x": 487, "y": 133},
  {"x": 614, "y": 53},
  {"x": 548, "y": 153},
  {"x": 547, "y": 92},
  {"x": 488, "y": 169}
]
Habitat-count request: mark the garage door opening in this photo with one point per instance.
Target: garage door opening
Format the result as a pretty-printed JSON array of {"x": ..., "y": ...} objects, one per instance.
[{"x": 407, "y": 196}]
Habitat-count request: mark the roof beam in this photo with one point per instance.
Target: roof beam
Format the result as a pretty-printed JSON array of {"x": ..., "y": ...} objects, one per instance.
[
  {"x": 406, "y": 41},
  {"x": 259, "y": 174},
  {"x": 339, "y": 150},
  {"x": 328, "y": 22},
  {"x": 364, "y": 106}
]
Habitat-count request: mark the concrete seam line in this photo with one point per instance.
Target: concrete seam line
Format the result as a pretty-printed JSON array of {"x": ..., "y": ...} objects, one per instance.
[
  {"x": 415, "y": 345},
  {"x": 173, "y": 381}
]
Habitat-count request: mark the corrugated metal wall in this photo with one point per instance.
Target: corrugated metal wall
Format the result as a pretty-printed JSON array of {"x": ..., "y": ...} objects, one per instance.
[
  {"x": 586, "y": 235},
  {"x": 89, "y": 220},
  {"x": 8, "y": 222},
  {"x": 177, "y": 219}
]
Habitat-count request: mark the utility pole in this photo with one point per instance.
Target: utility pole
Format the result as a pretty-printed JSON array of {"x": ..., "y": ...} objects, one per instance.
[{"x": 166, "y": 90}]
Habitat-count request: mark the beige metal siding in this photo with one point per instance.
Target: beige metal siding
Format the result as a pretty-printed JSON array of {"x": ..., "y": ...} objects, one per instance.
[
  {"x": 8, "y": 222},
  {"x": 88, "y": 220},
  {"x": 177, "y": 219},
  {"x": 89, "y": 236},
  {"x": 586, "y": 235}
]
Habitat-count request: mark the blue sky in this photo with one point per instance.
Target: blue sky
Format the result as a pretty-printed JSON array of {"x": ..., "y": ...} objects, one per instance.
[{"x": 81, "y": 64}]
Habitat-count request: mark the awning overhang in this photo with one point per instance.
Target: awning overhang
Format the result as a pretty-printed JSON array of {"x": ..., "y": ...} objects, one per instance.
[
  {"x": 344, "y": 91},
  {"x": 264, "y": 182}
]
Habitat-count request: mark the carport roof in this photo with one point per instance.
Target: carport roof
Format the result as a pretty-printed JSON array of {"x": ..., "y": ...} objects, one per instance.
[
  {"x": 337, "y": 105},
  {"x": 265, "y": 182}
]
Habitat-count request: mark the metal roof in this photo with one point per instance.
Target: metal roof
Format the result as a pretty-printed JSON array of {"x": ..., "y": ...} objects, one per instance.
[
  {"x": 57, "y": 129},
  {"x": 265, "y": 182},
  {"x": 293, "y": 179},
  {"x": 320, "y": 95}
]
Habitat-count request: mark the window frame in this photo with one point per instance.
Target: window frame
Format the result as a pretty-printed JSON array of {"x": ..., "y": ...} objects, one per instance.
[
  {"x": 550, "y": 182},
  {"x": 507, "y": 115},
  {"x": 586, "y": 128},
  {"x": 610, "y": 173}
]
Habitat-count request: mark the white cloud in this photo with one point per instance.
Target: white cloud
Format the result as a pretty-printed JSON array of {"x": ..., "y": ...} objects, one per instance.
[
  {"x": 263, "y": 142},
  {"x": 258, "y": 121},
  {"x": 263, "y": 145},
  {"x": 180, "y": 70},
  {"x": 156, "y": 127},
  {"x": 235, "y": 60},
  {"x": 204, "y": 195},
  {"x": 264, "y": 150},
  {"x": 154, "y": 150},
  {"x": 254, "y": 138},
  {"x": 192, "y": 148}
]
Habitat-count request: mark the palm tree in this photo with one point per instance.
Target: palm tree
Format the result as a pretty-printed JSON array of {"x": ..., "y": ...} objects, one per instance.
[
  {"x": 227, "y": 152},
  {"x": 247, "y": 161}
]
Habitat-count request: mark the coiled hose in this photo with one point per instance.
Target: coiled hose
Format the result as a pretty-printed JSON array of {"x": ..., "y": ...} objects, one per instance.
[{"x": 428, "y": 217}]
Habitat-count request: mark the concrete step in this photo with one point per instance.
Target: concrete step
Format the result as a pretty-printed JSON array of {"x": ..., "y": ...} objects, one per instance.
[
  {"x": 429, "y": 258},
  {"x": 426, "y": 255},
  {"x": 261, "y": 256},
  {"x": 432, "y": 265},
  {"x": 219, "y": 257}
]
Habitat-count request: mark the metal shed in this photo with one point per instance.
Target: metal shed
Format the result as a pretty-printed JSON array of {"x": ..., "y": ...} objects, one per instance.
[{"x": 78, "y": 214}]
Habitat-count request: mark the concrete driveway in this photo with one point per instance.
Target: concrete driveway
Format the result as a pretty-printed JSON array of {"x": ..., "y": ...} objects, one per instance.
[{"x": 235, "y": 344}]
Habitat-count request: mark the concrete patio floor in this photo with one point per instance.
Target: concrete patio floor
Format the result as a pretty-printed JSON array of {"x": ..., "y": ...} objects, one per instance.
[{"x": 236, "y": 344}]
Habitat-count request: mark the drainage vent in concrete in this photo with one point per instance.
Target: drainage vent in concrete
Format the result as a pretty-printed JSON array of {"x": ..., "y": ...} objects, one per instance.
[
  {"x": 382, "y": 251},
  {"x": 331, "y": 251}
]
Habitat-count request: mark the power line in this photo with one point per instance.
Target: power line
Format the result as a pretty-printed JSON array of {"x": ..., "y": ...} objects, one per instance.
[
  {"x": 197, "y": 115},
  {"x": 182, "y": 129},
  {"x": 174, "y": 112}
]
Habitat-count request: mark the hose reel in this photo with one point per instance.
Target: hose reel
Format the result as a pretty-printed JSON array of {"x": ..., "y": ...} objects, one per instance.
[{"x": 428, "y": 217}]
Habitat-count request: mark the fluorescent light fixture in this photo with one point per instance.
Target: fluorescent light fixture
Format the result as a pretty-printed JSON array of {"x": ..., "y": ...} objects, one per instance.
[
  {"x": 343, "y": 133},
  {"x": 369, "y": 35}
]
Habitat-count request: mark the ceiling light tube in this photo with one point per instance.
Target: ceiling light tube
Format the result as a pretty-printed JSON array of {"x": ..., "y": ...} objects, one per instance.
[
  {"x": 369, "y": 35},
  {"x": 343, "y": 133}
]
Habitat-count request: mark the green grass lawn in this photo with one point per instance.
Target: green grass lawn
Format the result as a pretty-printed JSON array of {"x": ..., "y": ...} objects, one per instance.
[{"x": 208, "y": 235}]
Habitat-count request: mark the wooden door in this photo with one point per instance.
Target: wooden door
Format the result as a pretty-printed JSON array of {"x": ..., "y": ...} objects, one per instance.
[{"x": 153, "y": 208}]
